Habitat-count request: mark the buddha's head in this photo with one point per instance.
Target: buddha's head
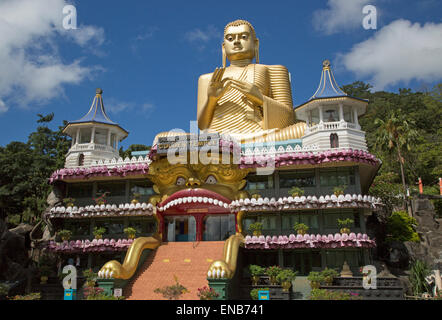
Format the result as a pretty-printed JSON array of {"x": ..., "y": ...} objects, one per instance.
[{"x": 240, "y": 42}]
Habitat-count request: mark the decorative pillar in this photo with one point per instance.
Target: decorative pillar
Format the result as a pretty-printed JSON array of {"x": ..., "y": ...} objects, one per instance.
[
  {"x": 199, "y": 226},
  {"x": 93, "y": 135},
  {"x": 341, "y": 112},
  {"x": 108, "y": 137},
  {"x": 78, "y": 136},
  {"x": 321, "y": 118},
  {"x": 355, "y": 115}
]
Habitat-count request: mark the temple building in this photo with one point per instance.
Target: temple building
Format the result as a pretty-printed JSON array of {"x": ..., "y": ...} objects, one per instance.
[{"x": 195, "y": 220}]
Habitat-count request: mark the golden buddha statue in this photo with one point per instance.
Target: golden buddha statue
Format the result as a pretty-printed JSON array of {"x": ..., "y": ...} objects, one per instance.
[{"x": 252, "y": 102}]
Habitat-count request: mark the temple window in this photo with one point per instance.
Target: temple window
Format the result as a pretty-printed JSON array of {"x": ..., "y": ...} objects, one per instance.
[
  {"x": 85, "y": 135},
  {"x": 143, "y": 226},
  {"x": 144, "y": 188},
  {"x": 348, "y": 114},
  {"x": 80, "y": 228},
  {"x": 334, "y": 140},
  {"x": 331, "y": 114},
  {"x": 101, "y": 136},
  {"x": 335, "y": 259},
  {"x": 314, "y": 117},
  {"x": 301, "y": 178},
  {"x": 332, "y": 216},
  {"x": 334, "y": 177},
  {"x": 117, "y": 192},
  {"x": 81, "y": 159},
  {"x": 114, "y": 228},
  {"x": 81, "y": 192},
  {"x": 289, "y": 220},
  {"x": 113, "y": 141},
  {"x": 218, "y": 227}
]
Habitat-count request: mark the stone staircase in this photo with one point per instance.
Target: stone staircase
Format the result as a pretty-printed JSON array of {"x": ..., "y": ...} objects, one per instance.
[{"x": 189, "y": 261}]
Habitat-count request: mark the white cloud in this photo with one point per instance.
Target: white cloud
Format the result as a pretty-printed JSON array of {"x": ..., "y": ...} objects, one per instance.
[
  {"x": 32, "y": 71},
  {"x": 116, "y": 106},
  {"x": 202, "y": 37},
  {"x": 3, "y": 107},
  {"x": 341, "y": 15},
  {"x": 400, "y": 51}
]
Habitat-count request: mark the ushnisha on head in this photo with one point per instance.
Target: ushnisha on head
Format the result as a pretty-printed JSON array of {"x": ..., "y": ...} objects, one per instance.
[{"x": 240, "y": 42}]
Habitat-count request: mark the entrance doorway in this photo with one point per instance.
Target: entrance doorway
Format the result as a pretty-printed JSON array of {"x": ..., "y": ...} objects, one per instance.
[{"x": 180, "y": 228}]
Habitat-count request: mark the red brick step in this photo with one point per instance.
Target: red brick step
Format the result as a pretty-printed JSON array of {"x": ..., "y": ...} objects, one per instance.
[{"x": 189, "y": 261}]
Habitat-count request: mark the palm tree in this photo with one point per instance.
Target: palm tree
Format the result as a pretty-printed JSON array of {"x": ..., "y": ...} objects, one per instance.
[{"x": 395, "y": 134}]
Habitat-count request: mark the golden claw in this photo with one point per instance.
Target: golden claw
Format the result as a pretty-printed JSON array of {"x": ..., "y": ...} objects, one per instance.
[
  {"x": 225, "y": 269},
  {"x": 114, "y": 270}
]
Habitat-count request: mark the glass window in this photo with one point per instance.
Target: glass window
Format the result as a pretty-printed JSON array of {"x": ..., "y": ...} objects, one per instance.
[
  {"x": 85, "y": 135},
  {"x": 303, "y": 178},
  {"x": 331, "y": 115},
  {"x": 144, "y": 188},
  {"x": 80, "y": 228},
  {"x": 116, "y": 192},
  {"x": 114, "y": 140},
  {"x": 259, "y": 182},
  {"x": 268, "y": 222},
  {"x": 81, "y": 192},
  {"x": 218, "y": 227},
  {"x": 143, "y": 226},
  {"x": 337, "y": 177},
  {"x": 101, "y": 136},
  {"x": 113, "y": 227},
  {"x": 348, "y": 114},
  {"x": 314, "y": 117}
]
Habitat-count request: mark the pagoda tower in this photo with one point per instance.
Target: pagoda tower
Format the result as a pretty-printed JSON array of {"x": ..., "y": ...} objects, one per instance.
[
  {"x": 332, "y": 115},
  {"x": 94, "y": 137}
]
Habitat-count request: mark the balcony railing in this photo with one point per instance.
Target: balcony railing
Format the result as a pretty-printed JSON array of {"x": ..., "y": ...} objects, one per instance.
[{"x": 331, "y": 126}]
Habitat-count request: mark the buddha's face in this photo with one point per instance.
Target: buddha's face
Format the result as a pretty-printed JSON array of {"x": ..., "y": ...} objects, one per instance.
[{"x": 239, "y": 43}]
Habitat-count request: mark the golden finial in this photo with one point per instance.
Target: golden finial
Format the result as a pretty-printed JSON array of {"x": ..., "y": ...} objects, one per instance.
[{"x": 326, "y": 64}]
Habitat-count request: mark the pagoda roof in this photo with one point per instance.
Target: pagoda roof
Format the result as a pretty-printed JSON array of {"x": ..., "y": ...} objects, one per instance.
[
  {"x": 97, "y": 113},
  {"x": 328, "y": 87}
]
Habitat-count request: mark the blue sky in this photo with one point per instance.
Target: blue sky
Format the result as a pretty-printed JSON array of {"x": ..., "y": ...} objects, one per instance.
[{"x": 147, "y": 55}]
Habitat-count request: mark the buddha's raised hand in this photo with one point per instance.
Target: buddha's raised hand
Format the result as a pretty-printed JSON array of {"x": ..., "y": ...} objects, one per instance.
[{"x": 216, "y": 85}]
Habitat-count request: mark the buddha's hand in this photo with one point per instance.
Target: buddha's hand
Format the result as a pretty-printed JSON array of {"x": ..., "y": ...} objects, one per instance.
[
  {"x": 250, "y": 90},
  {"x": 216, "y": 85}
]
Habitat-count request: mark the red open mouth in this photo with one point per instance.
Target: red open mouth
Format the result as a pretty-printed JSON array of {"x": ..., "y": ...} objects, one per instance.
[{"x": 197, "y": 199}]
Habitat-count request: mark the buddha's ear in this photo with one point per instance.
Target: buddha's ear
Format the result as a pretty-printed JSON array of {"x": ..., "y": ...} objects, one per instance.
[
  {"x": 257, "y": 50},
  {"x": 224, "y": 55}
]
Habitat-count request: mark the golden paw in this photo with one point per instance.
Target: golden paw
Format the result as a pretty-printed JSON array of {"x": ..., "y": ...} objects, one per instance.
[
  {"x": 111, "y": 270},
  {"x": 219, "y": 270}
]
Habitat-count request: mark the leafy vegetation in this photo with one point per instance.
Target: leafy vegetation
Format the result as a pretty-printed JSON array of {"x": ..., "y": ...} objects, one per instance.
[
  {"x": 172, "y": 292},
  {"x": 324, "y": 294},
  {"x": 300, "y": 228},
  {"x": 419, "y": 141},
  {"x": 400, "y": 227},
  {"x": 419, "y": 270},
  {"x": 254, "y": 292},
  {"x": 256, "y": 270},
  {"x": 25, "y": 169},
  {"x": 286, "y": 275}
]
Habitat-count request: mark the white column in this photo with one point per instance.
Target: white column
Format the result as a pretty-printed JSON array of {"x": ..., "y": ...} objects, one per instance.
[
  {"x": 78, "y": 136},
  {"x": 320, "y": 114},
  {"x": 93, "y": 135},
  {"x": 355, "y": 115},
  {"x": 341, "y": 112},
  {"x": 108, "y": 137}
]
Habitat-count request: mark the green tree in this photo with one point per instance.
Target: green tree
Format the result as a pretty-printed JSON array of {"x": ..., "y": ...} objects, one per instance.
[
  {"x": 26, "y": 167},
  {"x": 394, "y": 134},
  {"x": 133, "y": 147}
]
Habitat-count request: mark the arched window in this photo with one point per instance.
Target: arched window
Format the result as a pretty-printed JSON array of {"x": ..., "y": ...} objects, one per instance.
[
  {"x": 81, "y": 159},
  {"x": 334, "y": 141}
]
